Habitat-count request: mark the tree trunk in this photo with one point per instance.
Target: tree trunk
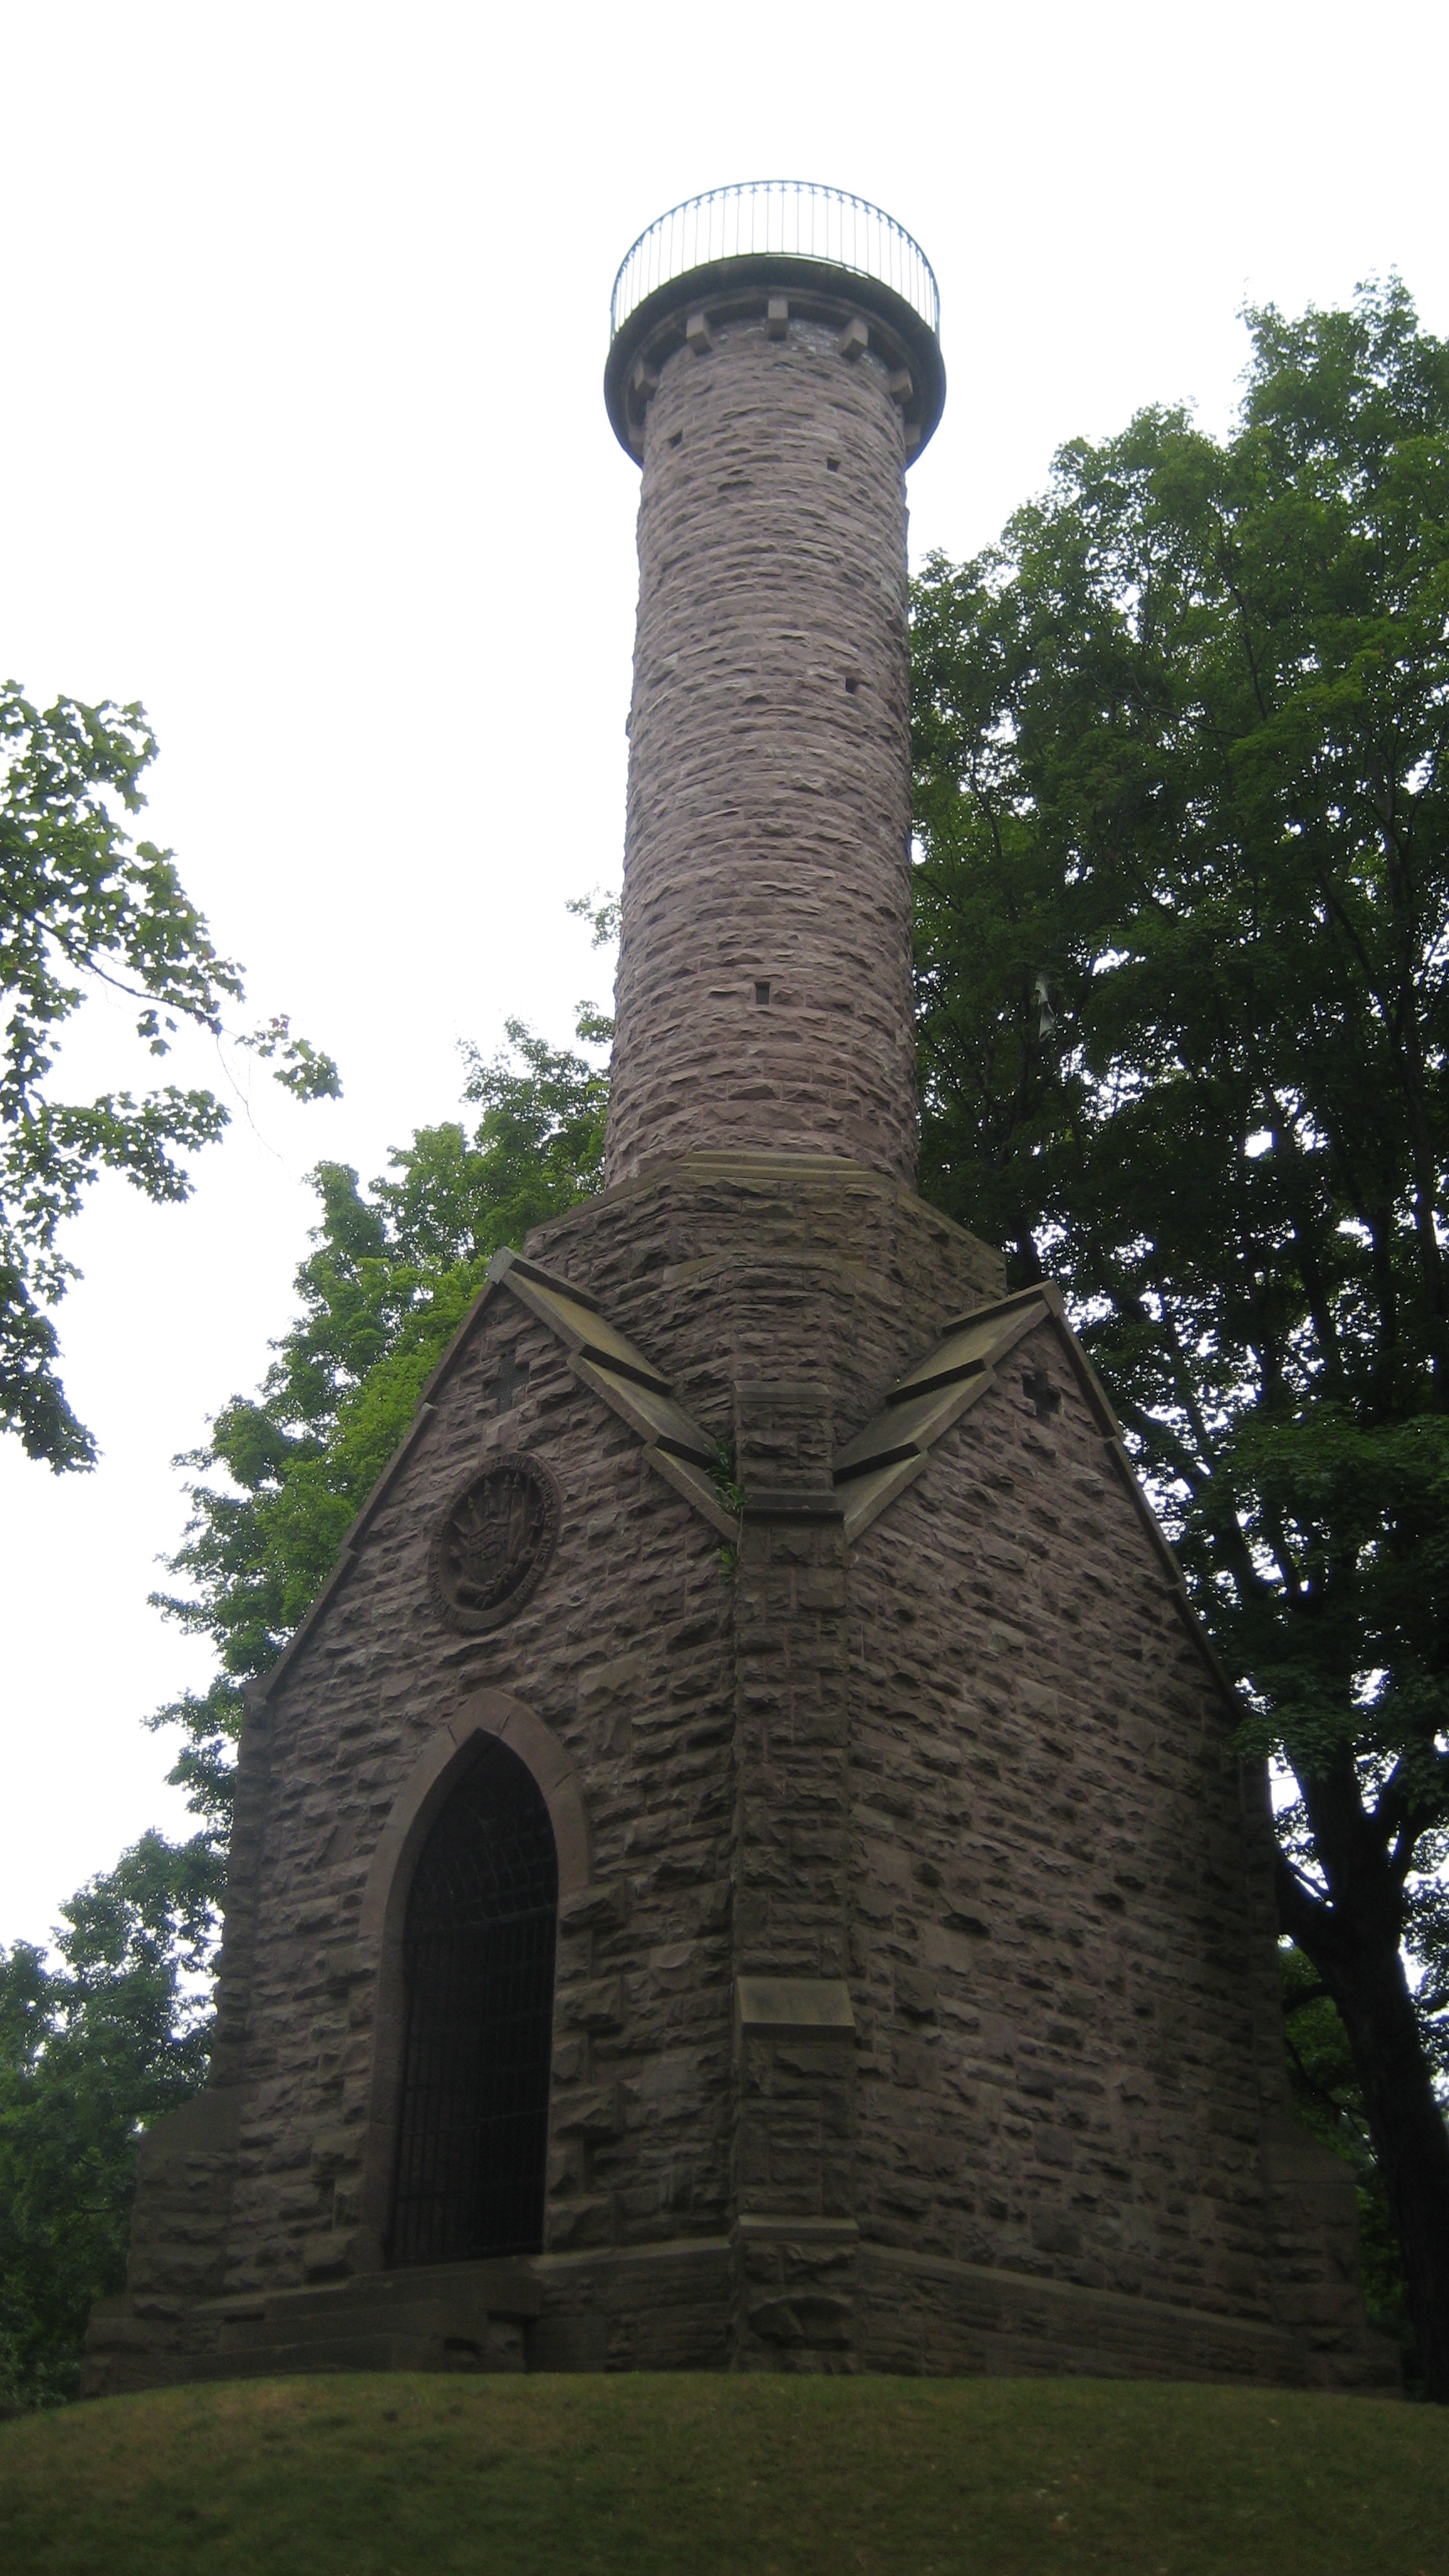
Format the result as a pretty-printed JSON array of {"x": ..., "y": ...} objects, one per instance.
[{"x": 1410, "y": 2141}]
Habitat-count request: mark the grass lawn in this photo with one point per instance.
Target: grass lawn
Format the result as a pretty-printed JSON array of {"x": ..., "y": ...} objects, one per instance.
[{"x": 370, "y": 2476}]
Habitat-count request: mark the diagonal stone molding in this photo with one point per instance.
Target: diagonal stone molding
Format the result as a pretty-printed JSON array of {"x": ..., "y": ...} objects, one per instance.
[
  {"x": 601, "y": 1359},
  {"x": 891, "y": 1452},
  {"x": 869, "y": 1474},
  {"x": 954, "y": 1374},
  {"x": 619, "y": 1374}
]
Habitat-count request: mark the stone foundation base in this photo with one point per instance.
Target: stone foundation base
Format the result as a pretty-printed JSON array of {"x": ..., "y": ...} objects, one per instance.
[
  {"x": 689, "y": 2305},
  {"x": 921, "y": 2315},
  {"x": 666, "y": 2307}
]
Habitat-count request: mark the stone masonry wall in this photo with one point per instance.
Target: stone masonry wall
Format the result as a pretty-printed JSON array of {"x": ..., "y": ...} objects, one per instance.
[
  {"x": 769, "y": 771},
  {"x": 1059, "y": 2070},
  {"x": 729, "y": 1269},
  {"x": 795, "y": 2223},
  {"x": 624, "y": 1653},
  {"x": 920, "y": 2011}
]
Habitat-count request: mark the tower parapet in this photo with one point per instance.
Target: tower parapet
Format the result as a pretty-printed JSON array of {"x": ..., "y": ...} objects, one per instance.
[{"x": 774, "y": 366}]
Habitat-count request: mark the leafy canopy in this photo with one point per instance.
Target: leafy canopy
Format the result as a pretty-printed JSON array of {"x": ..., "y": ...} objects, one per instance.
[
  {"x": 1328, "y": 2099},
  {"x": 1184, "y": 937},
  {"x": 391, "y": 1276},
  {"x": 91, "y": 2050},
  {"x": 1183, "y": 948},
  {"x": 81, "y": 905}
]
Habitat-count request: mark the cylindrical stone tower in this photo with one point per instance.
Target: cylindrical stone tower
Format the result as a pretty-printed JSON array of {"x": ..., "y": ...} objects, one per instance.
[{"x": 774, "y": 366}]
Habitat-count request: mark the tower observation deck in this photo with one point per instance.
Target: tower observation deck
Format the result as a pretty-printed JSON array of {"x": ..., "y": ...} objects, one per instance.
[{"x": 774, "y": 366}]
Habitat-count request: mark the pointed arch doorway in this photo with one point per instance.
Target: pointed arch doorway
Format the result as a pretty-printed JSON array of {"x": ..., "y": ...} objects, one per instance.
[{"x": 478, "y": 1962}]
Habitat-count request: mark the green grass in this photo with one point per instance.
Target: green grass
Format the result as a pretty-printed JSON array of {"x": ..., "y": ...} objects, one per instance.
[{"x": 397, "y": 2476}]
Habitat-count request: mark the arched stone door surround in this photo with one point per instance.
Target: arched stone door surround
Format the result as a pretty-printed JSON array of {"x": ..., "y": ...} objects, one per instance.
[{"x": 445, "y": 1758}]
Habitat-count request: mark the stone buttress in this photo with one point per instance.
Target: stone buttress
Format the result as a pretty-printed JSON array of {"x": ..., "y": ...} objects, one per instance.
[{"x": 904, "y": 1988}]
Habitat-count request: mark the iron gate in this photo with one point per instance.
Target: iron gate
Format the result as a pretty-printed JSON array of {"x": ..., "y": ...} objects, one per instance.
[{"x": 479, "y": 1962}]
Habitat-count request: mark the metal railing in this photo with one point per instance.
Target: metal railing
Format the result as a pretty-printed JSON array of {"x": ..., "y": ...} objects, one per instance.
[{"x": 791, "y": 217}]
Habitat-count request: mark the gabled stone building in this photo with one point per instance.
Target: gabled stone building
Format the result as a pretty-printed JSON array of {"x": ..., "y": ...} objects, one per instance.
[{"x": 743, "y": 1864}]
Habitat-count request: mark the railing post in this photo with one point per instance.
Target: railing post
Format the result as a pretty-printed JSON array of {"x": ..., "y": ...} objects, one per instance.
[{"x": 787, "y": 217}]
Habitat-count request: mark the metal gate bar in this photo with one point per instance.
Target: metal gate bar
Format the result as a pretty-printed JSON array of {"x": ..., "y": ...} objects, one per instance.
[{"x": 479, "y": 1960}]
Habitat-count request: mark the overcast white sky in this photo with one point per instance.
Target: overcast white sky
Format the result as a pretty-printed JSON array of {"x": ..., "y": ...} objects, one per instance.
[{"x": 305, "y": 312}]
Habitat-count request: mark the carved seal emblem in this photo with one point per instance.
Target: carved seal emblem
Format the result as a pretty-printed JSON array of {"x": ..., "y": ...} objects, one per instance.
[{"x": 494, "y": 1542}]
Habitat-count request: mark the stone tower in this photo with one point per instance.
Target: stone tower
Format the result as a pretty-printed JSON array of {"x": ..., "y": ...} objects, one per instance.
[
  {"x": 742, "y": 1866},
  {"x": 764, "y": 990}
]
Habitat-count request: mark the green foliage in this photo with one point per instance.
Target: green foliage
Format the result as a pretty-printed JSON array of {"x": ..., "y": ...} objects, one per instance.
[
  {"x": 602, "y": 912},
  {"x": 91, "y": 2050},
  {"x": 1328, "y": 2099},
  {"x": 725, "y": 1479},
  {"x": 391, "y": 1277},
  {"x": 80, "y": 904},
  {"x": 1184, "y": 937},
  {"x": 1183, "y": 941}
]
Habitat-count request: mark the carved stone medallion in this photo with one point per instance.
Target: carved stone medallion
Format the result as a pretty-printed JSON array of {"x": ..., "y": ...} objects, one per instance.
[{"x": 494, "y": 1543}]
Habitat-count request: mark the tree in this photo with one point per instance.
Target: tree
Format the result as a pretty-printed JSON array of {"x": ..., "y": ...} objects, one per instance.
[
  {"x": 90, "y": 2051},
  {"x": 80, "y": 905},
  {"x": 391, "y": 1277},
  {"x": 1183, "y": 941},
  {"x": 1329, "y": 2100}
]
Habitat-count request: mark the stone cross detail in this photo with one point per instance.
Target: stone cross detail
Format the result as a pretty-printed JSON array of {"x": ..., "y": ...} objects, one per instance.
[
  {"x": 510, "y": 1382},
  {"x": 1042, "y": 1392}
]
